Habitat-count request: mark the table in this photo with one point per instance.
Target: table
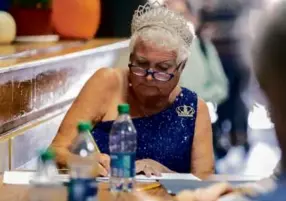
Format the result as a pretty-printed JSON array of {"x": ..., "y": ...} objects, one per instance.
[{"x": 21, "y": 193}]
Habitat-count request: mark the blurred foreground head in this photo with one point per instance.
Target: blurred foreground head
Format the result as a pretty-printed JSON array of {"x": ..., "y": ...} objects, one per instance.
[{"x": 270, "y": 67}]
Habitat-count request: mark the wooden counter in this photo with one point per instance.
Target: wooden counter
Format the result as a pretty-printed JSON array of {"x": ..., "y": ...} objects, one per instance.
[
  {"x": 38, "y": 82},
  {"x": 21, "y": 53},
  {"x": 34, "y": 76}
]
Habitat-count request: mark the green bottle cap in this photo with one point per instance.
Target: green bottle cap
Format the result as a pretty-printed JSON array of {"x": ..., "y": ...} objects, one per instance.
[
  {"x": 84, "y": 126},
  {"x": 123, "y": 109},
  {"x": 48, "y": 154}
]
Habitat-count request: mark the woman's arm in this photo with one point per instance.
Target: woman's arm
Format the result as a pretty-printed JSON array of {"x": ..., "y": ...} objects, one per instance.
[
  {"x": 202, "y": 158},
  {"x": 90, "y": 105}
]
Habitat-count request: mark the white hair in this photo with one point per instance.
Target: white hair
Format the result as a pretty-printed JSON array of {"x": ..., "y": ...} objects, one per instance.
[{"x": 162, "y": 38}]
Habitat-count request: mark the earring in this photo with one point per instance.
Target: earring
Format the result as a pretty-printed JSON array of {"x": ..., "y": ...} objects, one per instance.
[{"x": 130, "y": 84}]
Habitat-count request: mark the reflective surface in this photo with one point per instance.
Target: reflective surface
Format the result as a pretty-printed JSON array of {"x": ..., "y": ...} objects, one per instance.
[
  {"x": 35, "y": 95},
  {"x": 20, "y": 53},
  {"x": 42, "y": 80}
]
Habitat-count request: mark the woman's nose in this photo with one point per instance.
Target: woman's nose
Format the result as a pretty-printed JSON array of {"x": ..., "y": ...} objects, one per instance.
[{"x": 149, "y": 77}]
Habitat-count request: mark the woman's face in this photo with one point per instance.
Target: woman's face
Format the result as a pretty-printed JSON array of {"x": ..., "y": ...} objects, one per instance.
[{"x": 149, "y": 57}]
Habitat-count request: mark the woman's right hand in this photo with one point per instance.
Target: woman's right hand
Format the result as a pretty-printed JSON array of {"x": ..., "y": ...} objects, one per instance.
[{"x": 103, "y": 166}]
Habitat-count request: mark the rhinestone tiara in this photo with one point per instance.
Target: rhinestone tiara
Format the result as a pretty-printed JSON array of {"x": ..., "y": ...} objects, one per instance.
[{"x": 157, "y": 14}]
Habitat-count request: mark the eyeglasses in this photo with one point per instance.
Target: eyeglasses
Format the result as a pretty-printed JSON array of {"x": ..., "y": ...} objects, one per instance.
[{"x": 160, "y": 76}]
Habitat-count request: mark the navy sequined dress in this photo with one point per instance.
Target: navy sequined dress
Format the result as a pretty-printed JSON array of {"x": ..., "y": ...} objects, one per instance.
[{"x": 165, "y": 137}]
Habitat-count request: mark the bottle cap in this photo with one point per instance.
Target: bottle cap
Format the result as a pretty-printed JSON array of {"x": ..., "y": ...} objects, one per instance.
[
  {"x": 48, "y": 154},
  {"x": 84, "y": 126},
  {"x": 123, "y": 109}
]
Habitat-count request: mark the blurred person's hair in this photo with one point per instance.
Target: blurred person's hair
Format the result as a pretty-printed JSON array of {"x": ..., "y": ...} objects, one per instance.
[
  {"x": 270, "y": 52},
  {"x": 270, "y": 67}
]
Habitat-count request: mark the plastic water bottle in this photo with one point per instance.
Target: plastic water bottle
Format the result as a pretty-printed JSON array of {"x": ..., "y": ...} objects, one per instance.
[
  {"x": 122, "y": 146},
  {"x": 45, "y": 182},
  {"x": 47, "y": 169},
  {"x": 82, "y": 166}
]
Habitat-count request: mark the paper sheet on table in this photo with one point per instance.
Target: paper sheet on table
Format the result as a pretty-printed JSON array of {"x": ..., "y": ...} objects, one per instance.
[
  {"x": 13, "y": 177},
  {"x": 22, "y": 177},
  {"x": 164, "y": 176},
  {"x": 169, "y": 176}
]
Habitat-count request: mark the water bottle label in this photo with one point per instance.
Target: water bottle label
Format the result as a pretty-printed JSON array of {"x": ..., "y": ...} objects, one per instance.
[
  {"x": 82, "y": 189},
  {"x": 123, "y": 165}
]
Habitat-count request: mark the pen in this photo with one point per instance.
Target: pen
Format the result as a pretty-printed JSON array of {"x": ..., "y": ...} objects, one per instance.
[
  {"x": 148, "y": 187},
  {"x": 96, "y": 148},
  {"x": 94, "y": 143}
]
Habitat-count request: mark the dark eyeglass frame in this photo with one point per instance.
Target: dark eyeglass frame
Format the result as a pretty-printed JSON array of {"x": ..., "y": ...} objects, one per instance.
[{"x": 153, "y": 73}]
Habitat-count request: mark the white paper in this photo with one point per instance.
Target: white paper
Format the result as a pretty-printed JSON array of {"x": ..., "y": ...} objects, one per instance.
[
  {"x": 164, "y": 176},
  {"x": 168, "y": 176},
  {"x": 22, "y": 177},
  {"x": 14, "y": 177}
]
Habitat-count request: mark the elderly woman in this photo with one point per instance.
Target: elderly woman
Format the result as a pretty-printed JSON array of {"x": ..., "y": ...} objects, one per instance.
[{"x": 173, "y": 124}]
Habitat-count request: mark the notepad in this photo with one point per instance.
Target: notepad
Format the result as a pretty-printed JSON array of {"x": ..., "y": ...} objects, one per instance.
[
  {"x": 13, "y": 177},
  {"x": 169, "y": 176},
  {"x": 19, "y": 177},
  {"x": 164, "y": 176},
  {"x": 24, "y": 178}
]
